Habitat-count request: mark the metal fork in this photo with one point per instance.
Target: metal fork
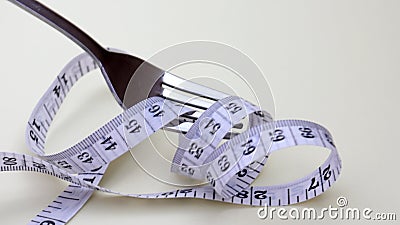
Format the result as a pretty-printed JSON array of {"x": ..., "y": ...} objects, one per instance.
[{"x": 118, "y": 68}]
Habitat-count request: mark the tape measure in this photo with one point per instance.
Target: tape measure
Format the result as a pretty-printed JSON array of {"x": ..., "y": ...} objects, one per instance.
[{"x": 228, "y": 168}]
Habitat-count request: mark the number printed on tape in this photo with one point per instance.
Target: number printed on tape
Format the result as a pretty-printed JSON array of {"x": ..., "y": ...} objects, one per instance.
[{"x": 229, "y": 168}]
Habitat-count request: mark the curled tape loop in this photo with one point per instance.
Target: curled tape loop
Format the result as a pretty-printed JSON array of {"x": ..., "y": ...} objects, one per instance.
[{"x": 229, "y": 168}]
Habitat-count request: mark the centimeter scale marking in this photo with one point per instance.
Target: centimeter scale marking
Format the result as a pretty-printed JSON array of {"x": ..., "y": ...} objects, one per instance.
[{"x": 230, "y": 169}]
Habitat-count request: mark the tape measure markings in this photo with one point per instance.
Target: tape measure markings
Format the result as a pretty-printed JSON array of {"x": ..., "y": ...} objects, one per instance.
[
  {"x": 191, "y": 163},
  {"x": 192, "y": 154},
  {"x": 83, "y": 165}
]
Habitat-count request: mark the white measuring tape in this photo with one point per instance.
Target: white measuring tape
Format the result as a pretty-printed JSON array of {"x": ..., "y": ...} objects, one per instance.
[{"x": 228, "y": 168}]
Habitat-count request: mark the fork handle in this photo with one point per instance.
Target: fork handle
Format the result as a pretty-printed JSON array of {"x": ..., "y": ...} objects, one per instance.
[{"x": 64, "y": 26}]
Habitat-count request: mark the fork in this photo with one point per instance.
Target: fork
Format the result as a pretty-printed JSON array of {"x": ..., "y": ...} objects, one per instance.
[{"x": 118, "y": 69}]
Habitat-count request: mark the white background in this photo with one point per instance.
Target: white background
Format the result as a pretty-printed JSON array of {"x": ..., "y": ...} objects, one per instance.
[{"x": 332, "y": 62}]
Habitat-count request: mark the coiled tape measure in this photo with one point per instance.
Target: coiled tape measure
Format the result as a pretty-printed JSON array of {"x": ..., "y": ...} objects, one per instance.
[{"x": 228, "y": 168}]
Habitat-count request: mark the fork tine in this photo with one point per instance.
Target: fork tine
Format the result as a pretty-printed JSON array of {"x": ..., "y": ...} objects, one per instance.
[
  {"x": 192, "y": 88},
  {"x": 190, "y": 101},
  {"x": 184, "y": 127},
  {"x": 186, "y": 100},
  {"x": 191, "y": 118}
]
